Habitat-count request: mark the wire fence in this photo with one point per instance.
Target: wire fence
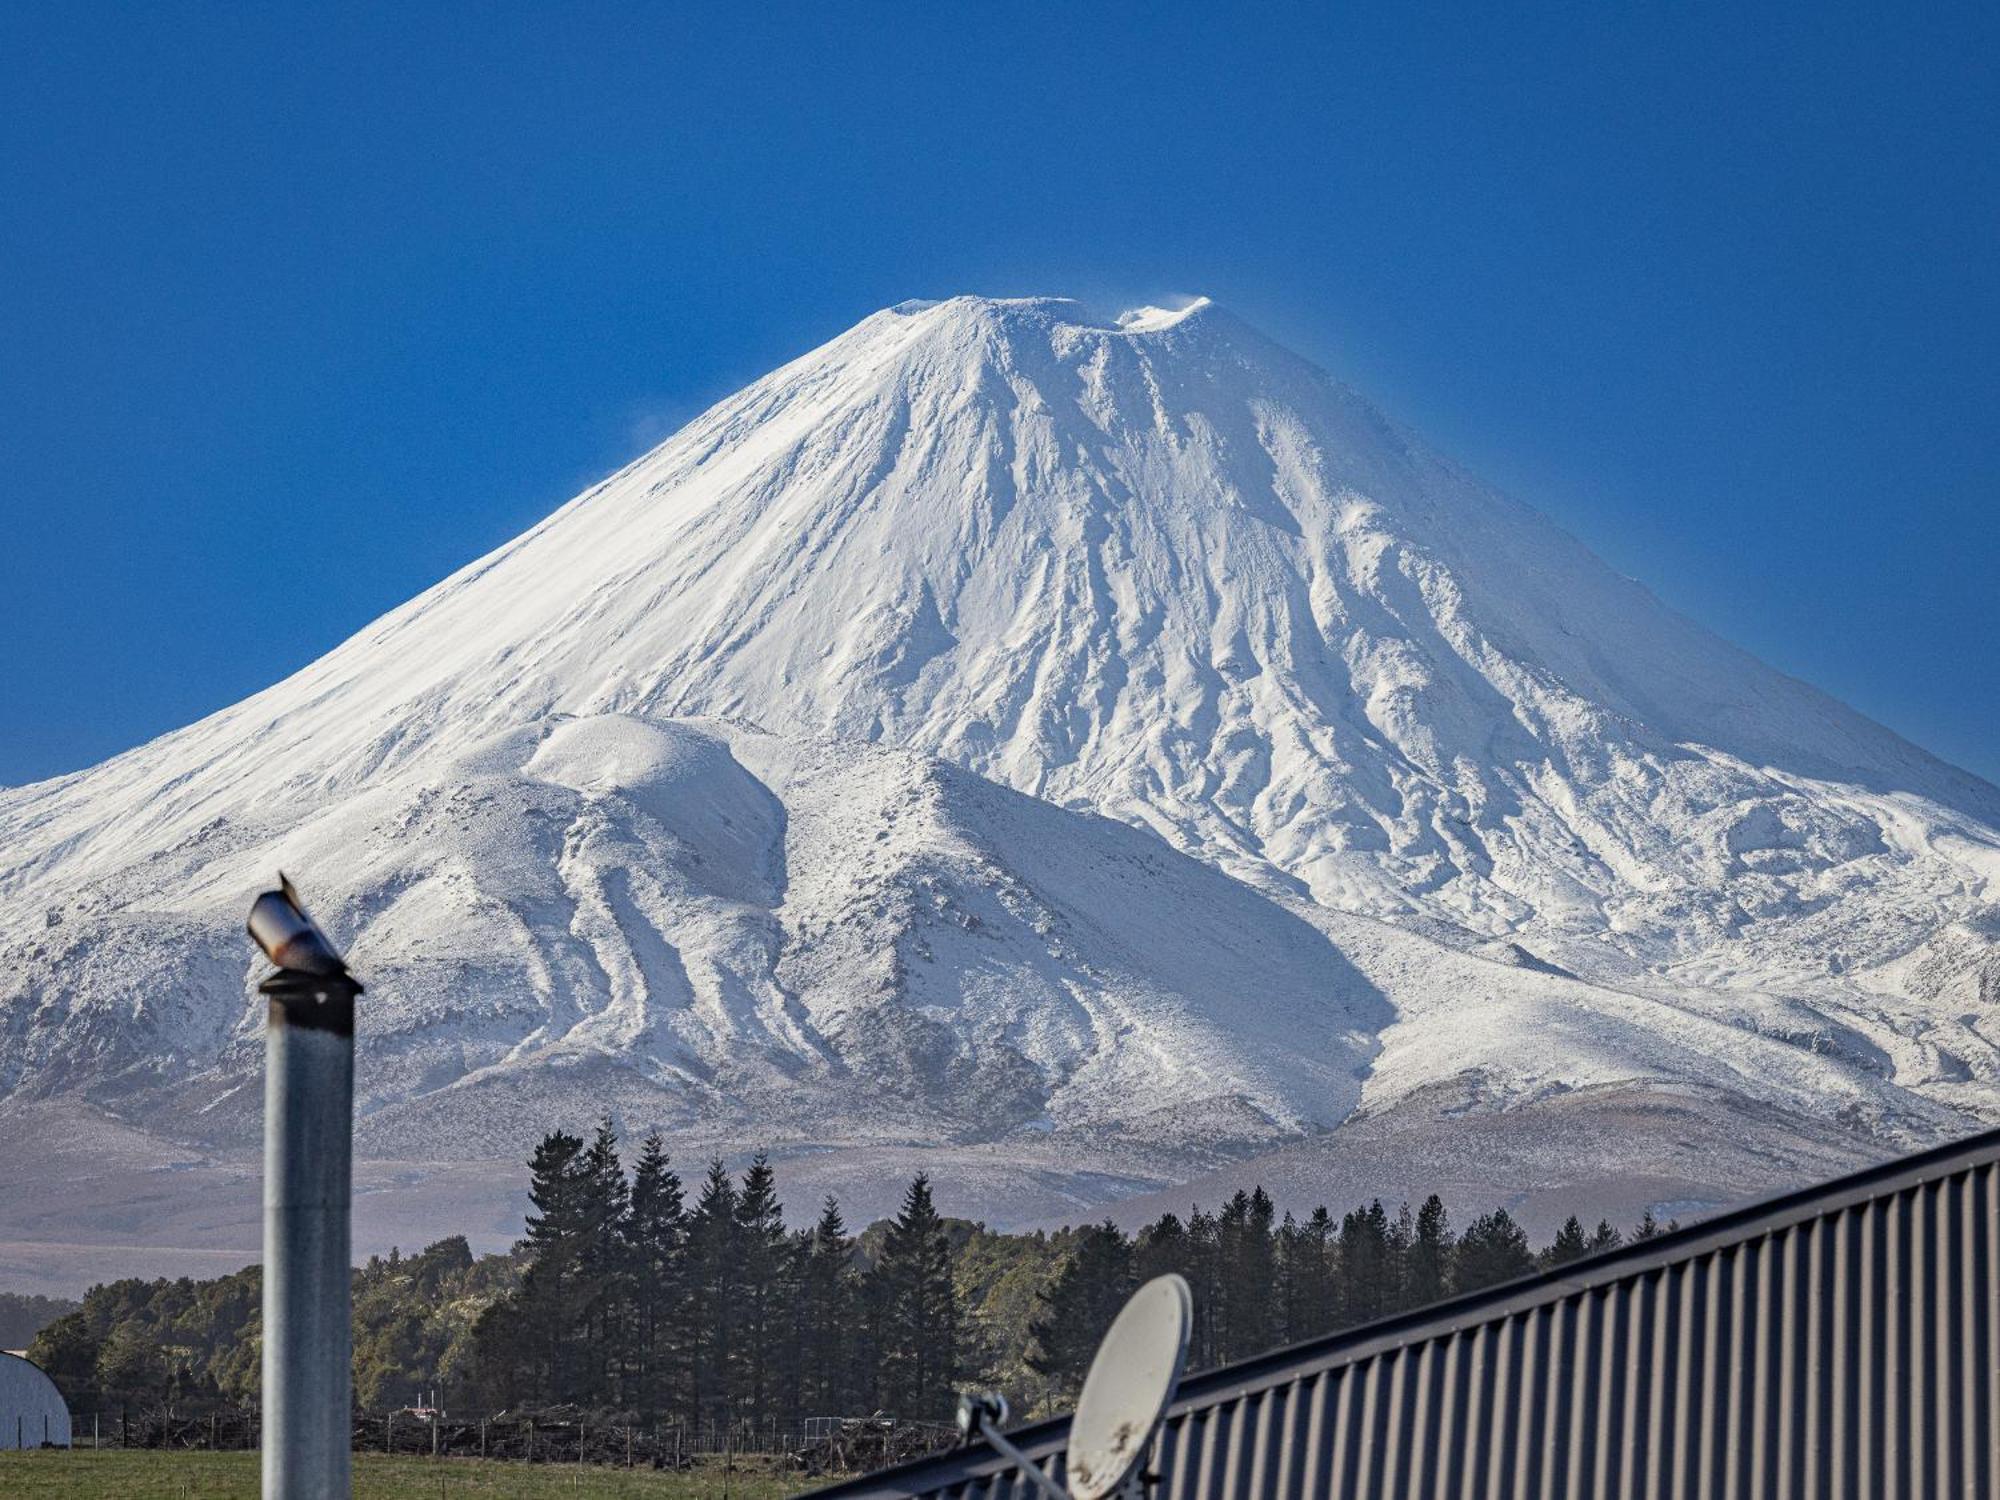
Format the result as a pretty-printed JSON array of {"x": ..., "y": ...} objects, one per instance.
[{"x": 550, "y": 1436}]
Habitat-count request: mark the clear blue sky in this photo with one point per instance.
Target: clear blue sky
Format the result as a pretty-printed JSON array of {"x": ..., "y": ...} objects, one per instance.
[{"x": 1719, "y": 292}]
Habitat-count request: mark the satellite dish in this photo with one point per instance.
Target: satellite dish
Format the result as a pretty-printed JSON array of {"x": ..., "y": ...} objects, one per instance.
[{"x": 1131, "y": 1382}]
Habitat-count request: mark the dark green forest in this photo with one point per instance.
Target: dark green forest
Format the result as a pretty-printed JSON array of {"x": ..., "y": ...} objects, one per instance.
[{"x": 637, "y": 1293}]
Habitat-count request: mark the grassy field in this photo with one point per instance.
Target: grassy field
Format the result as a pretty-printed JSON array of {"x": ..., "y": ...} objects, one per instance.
[{"x": 143, "y": 1475}]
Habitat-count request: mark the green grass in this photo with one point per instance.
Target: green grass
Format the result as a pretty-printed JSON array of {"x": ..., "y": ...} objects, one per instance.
[{"x": 53, "y": 1474}]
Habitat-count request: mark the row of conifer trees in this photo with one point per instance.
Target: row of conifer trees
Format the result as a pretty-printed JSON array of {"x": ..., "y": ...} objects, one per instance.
[
  {"x": 1261, "y": 1281},
  {"x": 710, "y": 1311},
  {"x": 638, "y": 1296}
]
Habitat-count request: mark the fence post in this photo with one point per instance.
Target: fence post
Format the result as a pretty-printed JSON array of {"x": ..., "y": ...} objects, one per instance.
[
  {"x": 482, "y": 1437},
  {"x": 389, "y": 1433}
]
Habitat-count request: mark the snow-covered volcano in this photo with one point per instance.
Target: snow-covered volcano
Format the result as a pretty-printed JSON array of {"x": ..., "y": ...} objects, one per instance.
[{"x": 1002, "y": 725}]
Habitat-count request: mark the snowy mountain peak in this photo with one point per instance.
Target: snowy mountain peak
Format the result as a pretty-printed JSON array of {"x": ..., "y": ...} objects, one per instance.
[
  {"x": 1044, "y": 311},
  {"x": 772, "y": 773}
]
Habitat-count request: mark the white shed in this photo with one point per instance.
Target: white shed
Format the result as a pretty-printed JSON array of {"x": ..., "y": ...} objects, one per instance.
[{"x": 31, "y": 1408}]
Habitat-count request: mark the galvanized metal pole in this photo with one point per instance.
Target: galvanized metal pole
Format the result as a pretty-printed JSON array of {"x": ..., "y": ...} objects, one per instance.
[{"x": 308, "y": 1190}]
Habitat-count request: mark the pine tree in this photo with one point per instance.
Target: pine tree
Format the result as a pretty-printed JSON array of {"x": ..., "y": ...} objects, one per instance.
[
  {"x": 1204, "y": 1275},
  {"x": 605, "y": 1268},
  {"x": 1319, "y": 1292},
  {"x": 1160, "y": 1247},
  {"x": 1246, "y": 1255},
  {"x": 715, "y": 1297},
  {"x": 798, "y": 1327},
  {"x": 554, "y": 1295},
  {"x": 875, "y": 1304},
  {"x": 1568, "y": 1245},
  {"x": 829, "y": 1314},
  {"x": 1077, "y": 1307},
  {"x": 1257, "y": 1270},
  {"x": 1402, "y": 1234},
  {"x": 1493, "y": 1250},
  {"x": 1604, "y": 1237},
  {"x": 1366, "y": 1279},
  {"x": 767, "y": 1277},
  {"x": 921, "y": 1338},
  {"x": 1427, "y": 1268},
  {"x": 656, "y": 1232},
  {"x": 1648, "y": 1227},
  {"x": 1163, "y": 1246},
  {"x": 1289, "y": 1295}
]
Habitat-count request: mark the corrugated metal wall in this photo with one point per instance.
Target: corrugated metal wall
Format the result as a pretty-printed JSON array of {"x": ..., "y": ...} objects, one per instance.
[
  {"x": 1845, "y": 1342},
  {"x": 31, "y": 1408}
]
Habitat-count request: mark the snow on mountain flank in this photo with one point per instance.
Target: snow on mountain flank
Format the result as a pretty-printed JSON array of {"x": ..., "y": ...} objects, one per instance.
[{"x": 1107, "y": 745}]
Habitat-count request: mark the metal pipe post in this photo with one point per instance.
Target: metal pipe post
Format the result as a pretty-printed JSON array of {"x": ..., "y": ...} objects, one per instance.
[{"x": 308, "y": 1190}]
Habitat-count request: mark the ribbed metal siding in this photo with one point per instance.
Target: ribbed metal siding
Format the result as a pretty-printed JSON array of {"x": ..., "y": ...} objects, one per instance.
[
  {"x": 31, "y": 1408},
  {"x": 1854, "y": 1351}
]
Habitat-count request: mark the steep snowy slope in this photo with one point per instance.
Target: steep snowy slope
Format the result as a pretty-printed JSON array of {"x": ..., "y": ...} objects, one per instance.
[
  {"x": 762, "y": 938},
  {"x": 600, "y": 818}
]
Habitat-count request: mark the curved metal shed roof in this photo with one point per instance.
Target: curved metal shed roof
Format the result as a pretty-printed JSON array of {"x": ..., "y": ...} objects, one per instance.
[{"x": 32, "y": 1410}]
